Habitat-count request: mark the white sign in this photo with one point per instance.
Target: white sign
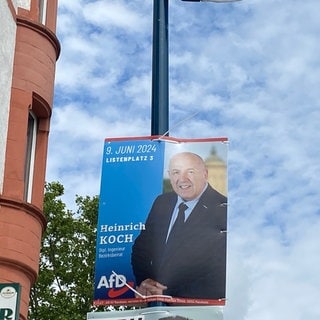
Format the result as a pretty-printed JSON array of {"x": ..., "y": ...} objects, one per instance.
[{"x": 9, "y": 301}]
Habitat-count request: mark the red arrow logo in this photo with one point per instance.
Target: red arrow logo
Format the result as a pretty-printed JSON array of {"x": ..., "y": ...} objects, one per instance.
[{"x": 114, "y": 292}]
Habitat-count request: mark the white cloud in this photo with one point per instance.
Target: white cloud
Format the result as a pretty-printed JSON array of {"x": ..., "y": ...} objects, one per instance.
[{"x": 118, "y": 14}]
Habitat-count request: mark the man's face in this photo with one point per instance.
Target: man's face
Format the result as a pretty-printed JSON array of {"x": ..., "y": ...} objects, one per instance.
[{"x": 188, "y": 175}]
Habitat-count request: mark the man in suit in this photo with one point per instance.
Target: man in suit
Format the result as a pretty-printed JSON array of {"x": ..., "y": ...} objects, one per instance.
[{"x": 190, "y": 262}]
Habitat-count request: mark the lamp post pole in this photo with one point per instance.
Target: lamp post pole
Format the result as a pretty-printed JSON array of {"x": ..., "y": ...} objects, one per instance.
[{"x": 160, "y": 69}]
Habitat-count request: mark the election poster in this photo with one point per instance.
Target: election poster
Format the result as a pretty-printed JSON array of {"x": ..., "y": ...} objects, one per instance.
[{"x": 162, "y": 223}]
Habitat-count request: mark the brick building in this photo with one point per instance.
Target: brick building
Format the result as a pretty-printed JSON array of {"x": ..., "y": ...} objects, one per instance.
[{"x": 29, "y": 49}]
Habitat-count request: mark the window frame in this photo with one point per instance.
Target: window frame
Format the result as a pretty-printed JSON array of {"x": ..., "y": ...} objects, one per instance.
[
  {"x": 30, "y": 154},
  {"x": 43, "y": 5}
]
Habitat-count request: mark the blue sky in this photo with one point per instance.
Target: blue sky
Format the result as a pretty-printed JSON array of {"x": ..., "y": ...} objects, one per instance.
[{"x": 249, "y": 71}]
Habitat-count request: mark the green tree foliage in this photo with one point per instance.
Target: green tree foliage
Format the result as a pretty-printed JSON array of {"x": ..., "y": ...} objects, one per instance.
[{"x": 64, "y": 289}]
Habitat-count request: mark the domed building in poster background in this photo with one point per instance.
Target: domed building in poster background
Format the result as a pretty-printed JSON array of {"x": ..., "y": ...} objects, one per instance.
[{"x": 217, "y": 172}]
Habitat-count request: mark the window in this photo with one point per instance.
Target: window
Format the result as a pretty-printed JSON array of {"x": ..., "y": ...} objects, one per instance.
[
  {"x": 30, "y": 155},
  {"x": 43, "y": 11}
]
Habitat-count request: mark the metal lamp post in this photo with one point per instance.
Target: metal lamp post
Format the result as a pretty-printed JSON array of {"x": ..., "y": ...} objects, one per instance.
[{"x": 160, "y": 67}]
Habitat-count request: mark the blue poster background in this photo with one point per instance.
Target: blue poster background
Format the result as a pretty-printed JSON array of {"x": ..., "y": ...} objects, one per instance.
[{"x": 132, "y": 177}]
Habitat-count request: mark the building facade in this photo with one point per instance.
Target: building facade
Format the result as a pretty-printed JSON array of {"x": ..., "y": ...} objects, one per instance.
[{"x": 29, "y": 50}]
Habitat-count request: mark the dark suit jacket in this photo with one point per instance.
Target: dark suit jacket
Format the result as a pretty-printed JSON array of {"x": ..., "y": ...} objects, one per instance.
[{"x": 194, "y": 266}]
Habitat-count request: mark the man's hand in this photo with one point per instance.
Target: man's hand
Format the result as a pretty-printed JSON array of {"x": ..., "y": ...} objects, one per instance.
[{"x": 150, "y": 287}]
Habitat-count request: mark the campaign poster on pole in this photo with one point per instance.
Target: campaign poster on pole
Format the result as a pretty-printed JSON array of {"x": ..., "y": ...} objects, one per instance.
[{"x": 161, "y": 233}]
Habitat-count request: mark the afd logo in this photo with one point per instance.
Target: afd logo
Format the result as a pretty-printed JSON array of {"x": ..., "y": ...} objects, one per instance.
[{"x": 116, "y": 283}]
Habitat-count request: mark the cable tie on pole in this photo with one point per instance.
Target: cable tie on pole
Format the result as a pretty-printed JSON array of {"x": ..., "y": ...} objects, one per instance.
[
  {"x": 176, "y": 125},
  {"x": 224, "y": 204}
]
